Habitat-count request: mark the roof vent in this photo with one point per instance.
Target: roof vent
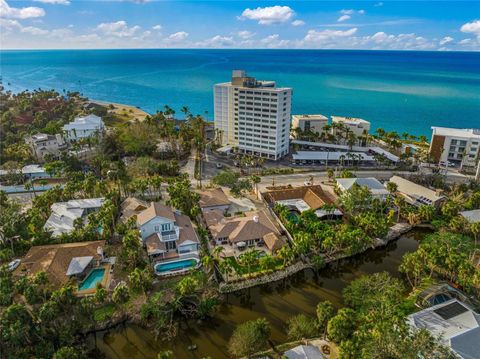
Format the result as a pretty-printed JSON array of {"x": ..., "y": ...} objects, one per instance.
[{"x": 255, "y": 219}]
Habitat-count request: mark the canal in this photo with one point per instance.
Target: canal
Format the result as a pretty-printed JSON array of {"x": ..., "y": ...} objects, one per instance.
[{"x": 276, "y": 301}]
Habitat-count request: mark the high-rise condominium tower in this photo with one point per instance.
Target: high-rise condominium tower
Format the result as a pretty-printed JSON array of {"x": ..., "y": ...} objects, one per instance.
[{"x": 253, "y": 116}]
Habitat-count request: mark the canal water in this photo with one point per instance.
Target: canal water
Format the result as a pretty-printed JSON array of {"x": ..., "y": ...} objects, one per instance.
[{"x": 277, "y": 302}]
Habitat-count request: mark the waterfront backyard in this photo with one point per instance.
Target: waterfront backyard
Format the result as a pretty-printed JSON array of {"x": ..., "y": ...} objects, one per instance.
[{"x": 275, "y": 301}]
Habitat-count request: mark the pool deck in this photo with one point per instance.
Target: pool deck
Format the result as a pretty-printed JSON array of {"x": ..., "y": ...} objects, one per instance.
[
  {"x": 178, "y": 271},
  {"x": 105, "y": 281}
]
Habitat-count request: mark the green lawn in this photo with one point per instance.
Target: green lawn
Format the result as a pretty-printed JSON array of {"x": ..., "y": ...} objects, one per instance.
[
  {"x": 104, "y": 313},
  {"x": 241, "y": 270}
]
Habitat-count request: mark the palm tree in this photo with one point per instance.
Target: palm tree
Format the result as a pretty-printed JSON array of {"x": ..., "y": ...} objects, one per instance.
[
  {"x": 225, "y": 268},
  {"x": 185, "y": 110},
  {"x": 217, "y": 251},
  {"x": 207, "y": 262},
  {"x": 249, "y": 259}
]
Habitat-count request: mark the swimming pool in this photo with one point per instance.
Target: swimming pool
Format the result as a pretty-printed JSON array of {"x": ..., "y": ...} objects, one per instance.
[
  {"x": 95, "y": 276},
  {"x": 183, "y": 264}
]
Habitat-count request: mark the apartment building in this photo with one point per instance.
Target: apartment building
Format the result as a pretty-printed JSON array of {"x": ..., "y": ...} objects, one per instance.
[
  {"x": 357, "y": 125},
  {"x": 314, "y": 123},
  {"x": 253, "y": 116},
  {"x": 459, "y": 146}
]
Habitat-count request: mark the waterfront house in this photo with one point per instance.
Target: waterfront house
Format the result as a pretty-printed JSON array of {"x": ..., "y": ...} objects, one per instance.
[
  {"x": 64, "y": 214},
  {"x": 84, "y": 127},
  {"x": 416, "y": 194},
  {"x": 375, "y": 187},
  {"x": 455, "y": 324},
  {"x": 214, "y": 199},
  {"x": 304, "y": 352},
  {"x": 43, "y": 145},
  {"x": 166, "y": 233},
  {"x": 239, "y": 232},
  {"x": 472, "y": 216},
  {"x": 62, "y": 262}
]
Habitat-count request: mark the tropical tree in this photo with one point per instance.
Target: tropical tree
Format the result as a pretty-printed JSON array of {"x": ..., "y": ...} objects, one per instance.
[
  {"x": 249, "y": 338},
  {"x": 249, "y": 259},
  {"x": 301, "y": 327},
  {"x": 342, "y": 325},
  {"x": 141, "y": 280},
  {"x": 325, "y": 312}
]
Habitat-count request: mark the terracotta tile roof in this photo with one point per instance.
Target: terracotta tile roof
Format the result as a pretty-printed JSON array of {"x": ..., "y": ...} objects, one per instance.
[
  {"x": 254, "y": 225},
  {"x": 132, "y": 206},
  {"x": 54, "y": 259},
  {"x": 273, "y": 242},
  {"x": 314, "y": 196},
  {"x": 155, "y": 209},
  {"x": 213, "y": 197}
]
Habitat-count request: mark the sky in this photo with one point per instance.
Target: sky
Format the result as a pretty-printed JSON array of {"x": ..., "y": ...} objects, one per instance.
[{"x": 375, "y": 25}]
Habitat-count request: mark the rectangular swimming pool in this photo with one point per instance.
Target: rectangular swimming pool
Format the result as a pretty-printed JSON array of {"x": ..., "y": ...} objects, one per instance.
[
  {"x": 95, "y": 276},
  {"x": 174, "y": 266}
]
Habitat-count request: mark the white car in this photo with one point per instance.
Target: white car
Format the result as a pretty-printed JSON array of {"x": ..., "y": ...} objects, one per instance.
[
  {"x": 307, "y": 183},
  {"x": 219, "y": 165},
  {"x": 447, "y": 164},
  {"x": 13, "y": 264}
]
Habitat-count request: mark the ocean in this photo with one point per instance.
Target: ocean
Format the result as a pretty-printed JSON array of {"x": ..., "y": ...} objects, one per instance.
[{"x": 395, "y": 90}]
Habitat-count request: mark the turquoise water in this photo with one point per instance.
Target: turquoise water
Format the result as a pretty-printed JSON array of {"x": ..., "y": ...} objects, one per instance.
[
  {"x": 172, "y": 266},
  {"x": 95, "y": 276},
  {"x": 397, "y": 90}
]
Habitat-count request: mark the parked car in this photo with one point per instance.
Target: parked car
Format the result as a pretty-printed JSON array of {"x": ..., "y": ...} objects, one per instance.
[
  {"x": 13, "y": 264},
  {"x": 219, "y": 165}
]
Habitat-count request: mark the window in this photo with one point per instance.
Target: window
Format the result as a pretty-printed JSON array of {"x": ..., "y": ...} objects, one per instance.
[
  {"x": 157, "y": 229},
  {"x": 165, "y": 227}
]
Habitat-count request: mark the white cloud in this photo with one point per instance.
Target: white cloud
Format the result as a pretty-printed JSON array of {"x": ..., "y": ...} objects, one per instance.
[
  {"x": 54, "y": 2},
  {"x": 157, "y": 27},
  {"x": 245, "y": 34},
  {"x": 471, "y": 28},
  {"x": 446, "y": 40},
  {"x": 268, "y": 15},
  {"x": 298, "y": 23},
  {"x": 20, "y": 13},
  {"x": 361, "y": 12},
  {"x": 347, "y": 11},
  {"x": 465, "y": 41},
  {"x": 217, "y": 41},
  {"x": 378, "y": 4},
  {"x": 34, "y": 30},
  {"x": 325, "y": 37},
  {"x": 274, "y": 42},
  {"x": 382, "y": 40},
  {"x": 178, "y": 36},
  {"x": 118, "y": 29},
  {"x": 343, "y": 18}
]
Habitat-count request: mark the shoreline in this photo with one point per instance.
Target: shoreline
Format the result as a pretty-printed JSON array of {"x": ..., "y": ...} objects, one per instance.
[
  {"x": 395, "y": 232},
  {"x": 123, "y": 109}
]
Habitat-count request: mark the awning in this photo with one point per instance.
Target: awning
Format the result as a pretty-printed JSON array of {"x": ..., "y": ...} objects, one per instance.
[{"x": 78, "y": 264}]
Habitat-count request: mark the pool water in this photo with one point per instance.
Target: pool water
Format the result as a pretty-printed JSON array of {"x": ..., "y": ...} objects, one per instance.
[
  {"x": 95, "y": 276},
  {"x": 173, "y": 266}
]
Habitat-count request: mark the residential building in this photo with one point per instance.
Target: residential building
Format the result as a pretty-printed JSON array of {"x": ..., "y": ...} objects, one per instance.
[
  {"x": 376, "y": 188},
  {"x": 165, "y": 233},
  {"x": 314, "y": 123},
  {"x": 83, "y": 127},
  {"x": 34, "y": 171},
  {"x": 212, "y": 199},
  {"x": 416, "y": 194},
  {"x": 301, "y": 199},
  {"x": 358, "y": 126},
  {"x": 242, "y": 231},
  {"x": 61, "y": 262},
  {"x": 454, "y": 324},
  {"x": 131, "y": 207},
  {"x": 458, "y": 146},
  {"x": 253, "y": 116},
  {"x": 304, "y": 352},
  {"x": 65, "y": 214},
  {"x": 472, "y": 216},
  {"x": 43, "y": 145}
]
